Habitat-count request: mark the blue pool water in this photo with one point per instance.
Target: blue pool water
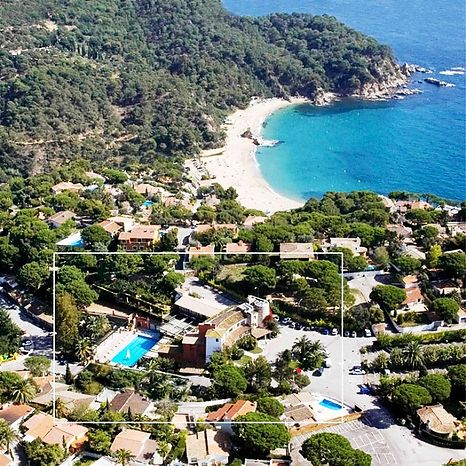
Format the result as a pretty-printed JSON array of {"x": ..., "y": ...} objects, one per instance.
[
  {"x": 329, "y": 404},
  {"x": 135, "y": 350},
  {"x": 147, "y": 203},
  {"x": 416, "y": 144}
]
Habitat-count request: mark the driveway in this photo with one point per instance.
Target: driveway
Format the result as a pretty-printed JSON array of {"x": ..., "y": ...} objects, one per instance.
[{"x": 364, "y": 282}]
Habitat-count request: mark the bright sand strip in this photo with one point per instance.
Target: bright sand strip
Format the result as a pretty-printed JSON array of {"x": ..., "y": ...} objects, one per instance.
[{"x": 237, "y": 166}]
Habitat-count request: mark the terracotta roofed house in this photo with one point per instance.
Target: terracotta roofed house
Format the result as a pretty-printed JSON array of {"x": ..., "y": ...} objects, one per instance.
[
  {"x": 437, "y": 420},
  {"x": 147, "y": 189},
  {"x": 196, "y": 251},
  {"x": 238, "y": 248},
  {"x": 111, "y": 227},
  {"x": 58, "y": 219},
  {"x": 139, "y": 444},
  {"x": 140, "y": 238},
  {"x": 14, "y": 414},
  {"x": 230, "y": 411},
  {"x": 208, "y": 446}
]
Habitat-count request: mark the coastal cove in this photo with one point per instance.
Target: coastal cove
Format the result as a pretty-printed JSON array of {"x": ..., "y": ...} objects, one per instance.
[{"x": 414, "y": 144}]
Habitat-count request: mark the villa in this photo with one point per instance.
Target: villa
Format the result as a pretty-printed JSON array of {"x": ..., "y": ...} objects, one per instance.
[
  {"x": 414, "y": 300},
  {"x": 196, "y": 251},
  {"x": 127, "y": 223},
  {"x": 147, "y": 189},
  {"x": 43, "y": 426},
  {"x": 353, "y": 244},
  {"x": 111, "y": 227},
  {"x": 400, "y": 230},
  {"x": 67, "y": 186},
  {"x": 296, "y": 251},
  {"x": 445, "y": 287},
  {"x": 14, "y": 415},
  {"x": 140, "y": 238},
  {"x": 437, "y": 421},
  {"x": 141, "y": 446},
  {"x": 198, "y": 307},
  {"x": 238, "y": 248},
  {"x": 208, "y": 447},
  {"x": 130, "y": 401},
  {"x": 62, "y": 391},
  {"x": 253, "y": 220},
  {"x": 230, "y": 411},
  {"x": 58, "y": 219}
]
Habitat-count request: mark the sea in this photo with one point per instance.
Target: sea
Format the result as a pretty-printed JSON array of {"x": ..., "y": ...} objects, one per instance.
[{"x": 416, "y": 144}]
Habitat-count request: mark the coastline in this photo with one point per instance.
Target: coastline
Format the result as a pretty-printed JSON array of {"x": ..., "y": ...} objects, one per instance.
[{"x": 235, "y": 163}]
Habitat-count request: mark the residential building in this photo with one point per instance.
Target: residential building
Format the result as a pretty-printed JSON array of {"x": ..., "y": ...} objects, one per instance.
[
  {"x": 14, "y": 415},
  {"x": 414, "y": 299},
  {"x": 253, "y": 220},
  {"x": 58, "y": 219},
  {"x": 445, "y": 287},
  {"x": 296, "y": 251},
  {"x": 208, "y": 448},
  {"x": 141, "y": 446},
  {"x": 353, "y": 244},
  {"x": 196, "y": 251},
  {"x": 127, "y": 223},
  {"x": 147, "y": 189},
  {"x": 6, "y": 460},
  {"x": 413, "y": 251},
  {"x": 238, "y": 248},
  {"x": 223, "y": 330},
  {"x": 111, "y": 227},
  {"x": 67, "y": 186},
  {"x": 230, "y": 411},
  {"x": 409, "y": 281},
  {"x": 55, "y": 390},
  {"x": 436, "y": 420},
  {"x": 456, "y": 228},
  {"x": 140, "y": 238},
  {"x": 94, "y": 176},
  {"x": 400, "y": 230},
  {"x": 130, "y": 400},
  {"x": 43, "y": 426}
]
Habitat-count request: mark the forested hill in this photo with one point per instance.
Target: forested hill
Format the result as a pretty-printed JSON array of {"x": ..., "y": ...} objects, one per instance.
[{"x": 130, "y": 80}]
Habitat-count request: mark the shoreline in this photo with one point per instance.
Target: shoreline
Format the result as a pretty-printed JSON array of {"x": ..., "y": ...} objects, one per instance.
[{"x": 235, "y": 163}]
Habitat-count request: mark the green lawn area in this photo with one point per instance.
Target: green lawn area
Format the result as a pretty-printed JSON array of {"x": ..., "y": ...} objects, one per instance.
[
  {"x": 244, "y": 360},
  {"x": 231, "y": 273},
  {"x": 256, "y": 350}
]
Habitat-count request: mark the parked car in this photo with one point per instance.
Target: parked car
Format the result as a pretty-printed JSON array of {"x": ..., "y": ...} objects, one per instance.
[
  {"x": 307, "y": 329},
  {"x": 286, "y": 320},
  {"x": 328, "y": 362},
  {"x": 27, "y": 343},
  {"x": 319, "y": 371},
  {"x": 367, "y": 332},
  {"x": 354, "y": 334},
  {"x": 334, "y": 332},
  {"x": 298, "y": 326},
  {"x": 347, "y": 334},
  {"x": 357, "y": 371},
  {"x": 325, "y": 331}
]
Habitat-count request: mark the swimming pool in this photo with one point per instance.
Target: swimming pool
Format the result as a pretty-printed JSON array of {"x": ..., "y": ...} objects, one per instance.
[
  {"x": 147, "y": 203},
  {"x": 135, "y": 350},
  {"x": 329, "y": 404}
]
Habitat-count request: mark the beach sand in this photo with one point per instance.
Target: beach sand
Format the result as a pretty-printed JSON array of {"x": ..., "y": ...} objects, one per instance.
[{"x": 235, "y": 164}]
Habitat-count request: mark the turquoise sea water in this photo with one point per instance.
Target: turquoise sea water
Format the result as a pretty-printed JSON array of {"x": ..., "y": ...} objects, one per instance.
[{"x": 416, "y": 144}]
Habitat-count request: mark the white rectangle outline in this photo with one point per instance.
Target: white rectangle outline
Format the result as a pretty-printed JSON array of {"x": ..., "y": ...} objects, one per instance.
[{"x": 56, "y": 255}]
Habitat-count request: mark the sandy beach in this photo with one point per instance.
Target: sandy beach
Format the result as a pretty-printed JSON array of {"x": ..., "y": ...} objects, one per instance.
[{"x": 235, "y": 164}]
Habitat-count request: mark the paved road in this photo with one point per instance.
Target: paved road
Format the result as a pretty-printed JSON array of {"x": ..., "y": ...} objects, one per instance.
[{"x": 20, "y": 318}]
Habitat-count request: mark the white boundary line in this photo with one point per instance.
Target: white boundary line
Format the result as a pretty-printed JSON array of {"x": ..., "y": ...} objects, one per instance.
[{"x": 151, "y": 253}]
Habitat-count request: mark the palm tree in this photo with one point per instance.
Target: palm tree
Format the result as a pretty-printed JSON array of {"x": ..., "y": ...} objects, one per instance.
[
  {"x": 61, "y": 410},
  {"x": 7, "y": 435},
  {"x": 23, "y": 392},
  {"x": 85, "y": 351},
  {"x": 413, "y": 355},
  {"x": 123, "y": 457},
  {"x": 163, "y": 448},
  {"x": 310, "y": 354}
]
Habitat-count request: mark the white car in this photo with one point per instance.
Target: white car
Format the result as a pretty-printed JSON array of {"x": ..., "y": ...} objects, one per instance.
[
  {"x": 334, "y": 332},
  {"x": 357, "y": 371}
]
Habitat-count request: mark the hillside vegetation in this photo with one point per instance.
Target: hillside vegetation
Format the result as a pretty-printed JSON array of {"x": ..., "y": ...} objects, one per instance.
[{"x": 132, "y": 80}]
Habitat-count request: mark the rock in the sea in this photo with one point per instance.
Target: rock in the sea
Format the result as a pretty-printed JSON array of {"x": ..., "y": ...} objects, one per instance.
[
  {"x": 438, "y": 82},
  {"x": 247, "y": 134}
]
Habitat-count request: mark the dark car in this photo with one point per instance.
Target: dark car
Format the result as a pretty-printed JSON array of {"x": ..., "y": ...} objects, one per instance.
[
  {"x": 347, "y": 334},
  {"x": 325, "y": 331}
]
